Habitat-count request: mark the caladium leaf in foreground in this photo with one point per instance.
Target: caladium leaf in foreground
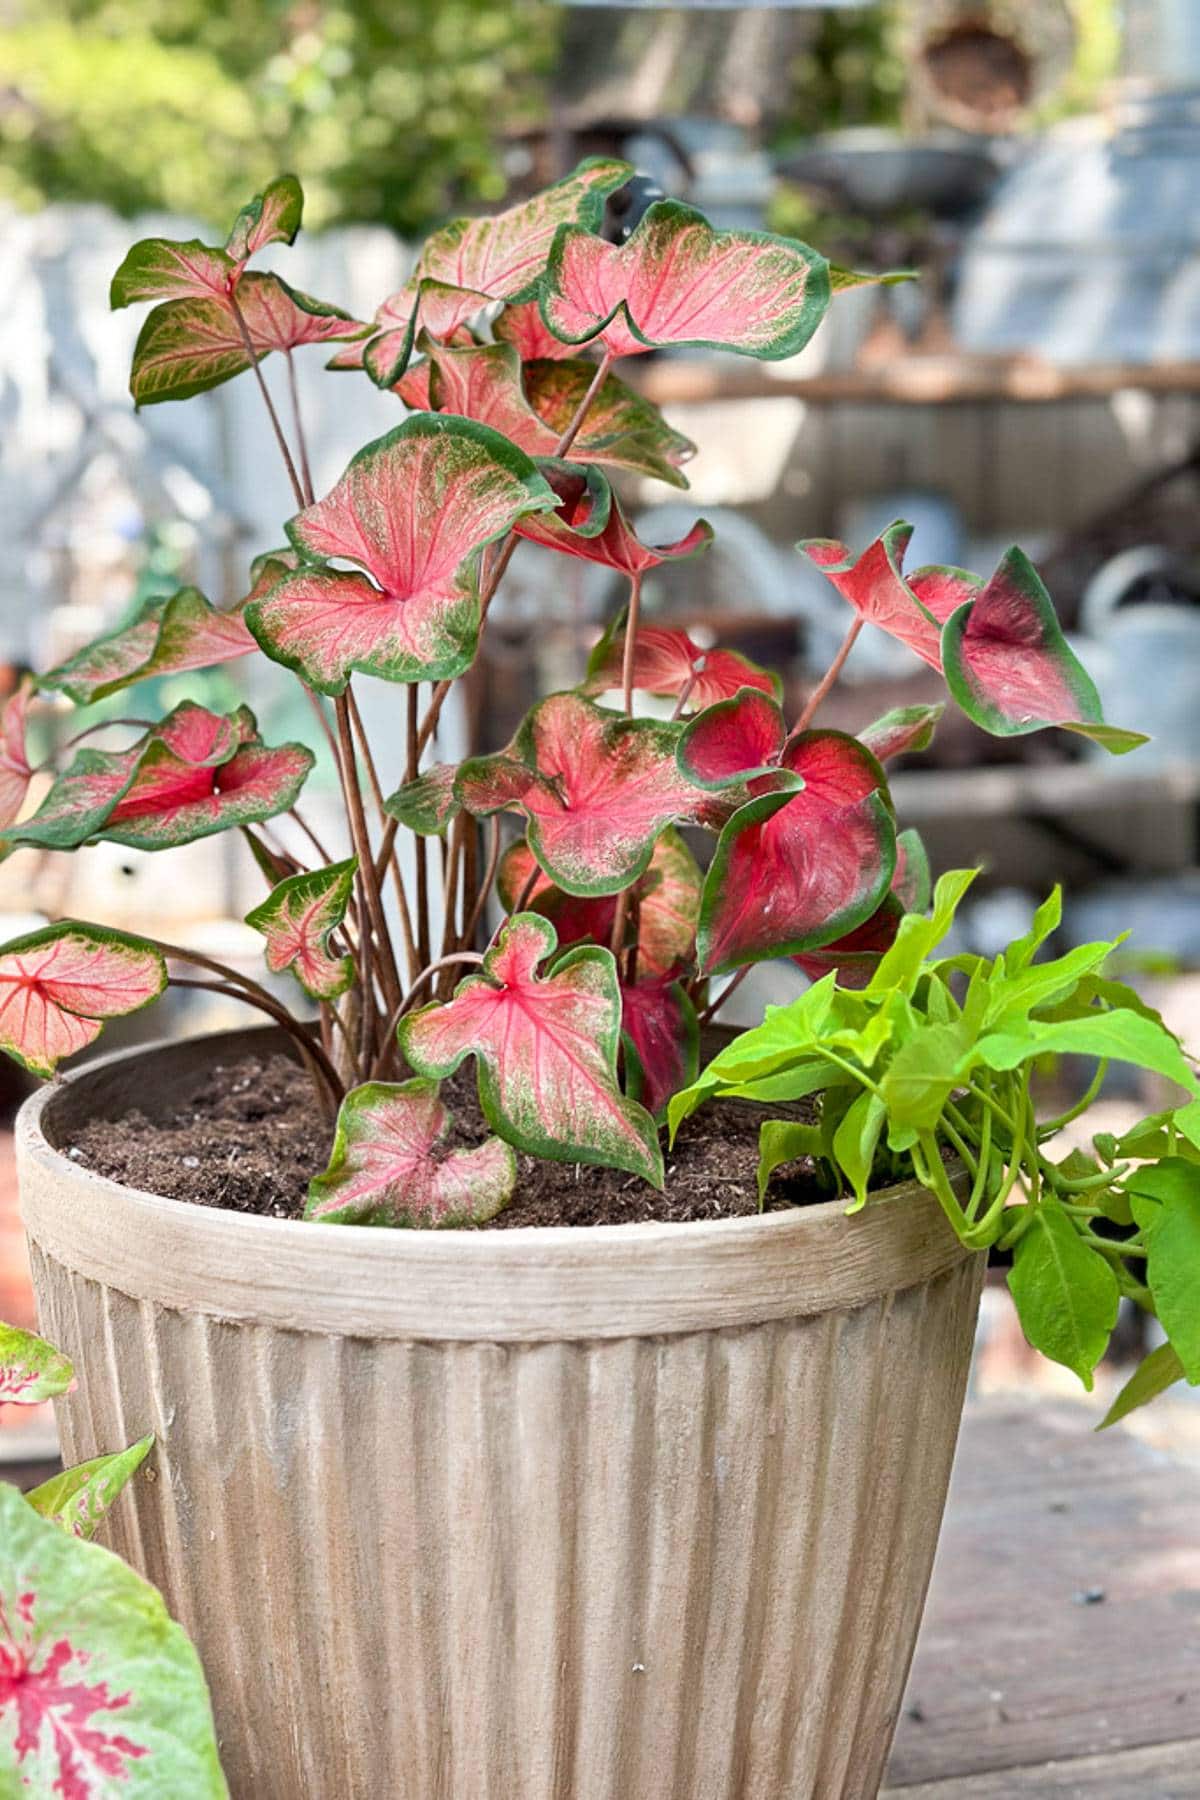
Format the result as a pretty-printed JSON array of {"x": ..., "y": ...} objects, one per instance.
[
  {"x": 100, "y": 1691},
  {"x": 573, "y": 529},
  {"x": 661, "y": 1039},
  {"x": 412, "y": 511},
  {"x": 58, "y": 985},
  {"x": 597, "y": 788},
  {"x": 15, "y": 772},
  {"x": 521, "y": 324},
  {"x": 78, "y": 1498},
  {"x": 297, "y": 918},
  {"x": 167, "y": 637},
  {"x": 677, "y": 281},
  {"x": 668, "y": 662},
  {"x": 390, "y": 1165},
  {"x": 31, "y": 1370},
  {"x": 546, "y": 1045}
]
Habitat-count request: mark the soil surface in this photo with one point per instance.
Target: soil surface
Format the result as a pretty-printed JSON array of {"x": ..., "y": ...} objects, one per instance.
[{"x": 247, "y": 1136}]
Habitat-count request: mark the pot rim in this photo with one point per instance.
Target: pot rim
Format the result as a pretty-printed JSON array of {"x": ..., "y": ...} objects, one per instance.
[{"x": 532, "y": 1283}]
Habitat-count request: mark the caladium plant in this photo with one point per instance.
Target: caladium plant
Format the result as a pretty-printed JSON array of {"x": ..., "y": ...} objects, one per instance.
[{"x": 646, "y": 836}]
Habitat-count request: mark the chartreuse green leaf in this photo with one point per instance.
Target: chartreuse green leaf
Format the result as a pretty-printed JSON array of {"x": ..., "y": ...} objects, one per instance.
[
  {"x": 1065, "y": 1292},
  {"x": 100, "y": 1691},
  {"x": 1046, "y": 921},
  {"x": 917, "y": 936},
  {"x": 1158, "y": 1370},
  {"x": 1173, "y": 1262},
  {"x": 1120, "y": 1035},
  {"x": 1013, "y": 997},
  {"x": 920, "y": 1079},
  {"x": 783, "y": 1141},
  {"x": 856, "y": 1140},
  {"x": 78, "y": 1498},
  {"x": 786, "y": 1035},
  {"x": 31, "y": 1370}
]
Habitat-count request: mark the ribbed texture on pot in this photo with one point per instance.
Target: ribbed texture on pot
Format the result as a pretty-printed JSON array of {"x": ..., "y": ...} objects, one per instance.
[{"x": 648, "y": 1568}]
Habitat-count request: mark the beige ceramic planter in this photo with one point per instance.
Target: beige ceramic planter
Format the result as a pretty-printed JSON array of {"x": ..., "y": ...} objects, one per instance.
[{"x": 631, "y": 1513}]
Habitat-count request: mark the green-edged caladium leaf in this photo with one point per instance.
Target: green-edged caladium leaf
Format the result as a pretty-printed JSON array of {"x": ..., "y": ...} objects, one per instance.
[
  {"x": 1158, "y": 1370},
  {"x": 622, "y": 429},
  {"x": 582, "y": 526},
  {"x": 272, "y": 217},
  {"x": 855, "y": 957},
  {"x": 733, "y": 740},
  {"x": 78, "y": 1498},
  {"x": 800, "y": 866},
  {"x": 677, "y": 281},
  {"x": 842, "y": 280},
  {"x": 100, "y": 1691},
  {"x": 162, "y": 269},
  {"x": 167, "y": 637},
  {"x": 440, "y": 312},
  {"x": 426, "y": 804},
  {"x": 598, "y": 789},
  {"x": 297, "y": 918},
  {"x": 58, "y": 985},
  {"x": 877, "y": 590},
  {"x": 390, "y": 1165},
  {"x": 186, "y": 347},
  {"x": 521, "y": 324},
  {"x": 1065, "y": 1293},
  {"x": 546, "y": 1046},
  {"x": 666, "y": 898},
  {"x": 661, "y": 1038},
  {"x": 15, "y": 772},
  {"x": 668, "y": 662},
  {"x": 902, "y": 731},
  {"x": 31, "y": 1370},
  {"x": 412, "y": 511}
]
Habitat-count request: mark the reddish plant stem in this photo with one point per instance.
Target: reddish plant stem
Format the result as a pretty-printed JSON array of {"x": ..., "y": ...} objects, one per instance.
[
  {"x": 713, "y": 1008},
  {"x": 526, "y": 893},
  {"x": 388, "y": 973},
  {"x": 419, "y": 845},
  {"x": 311, "y": 835},
  {"x": 452, "y": 850},
  {"x": 581, "y": 411},
  {"x": 685, "y": 692},
  {"x": 830, "y": 676},
  {"x": 386, "y": 859},
  {"x": 252, "y": 353},
  {"x": 632, "y": 618},
  {"x": 468, "y": 931},
  {"x": 298, "y": 425}
]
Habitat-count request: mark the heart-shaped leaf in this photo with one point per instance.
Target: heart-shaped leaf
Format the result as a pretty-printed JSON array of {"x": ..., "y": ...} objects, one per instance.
[
  {"x": 855, "y": 957},
  {"x": 15, "y": 771},
  {"x": 58, "y": 985},
  {"x": 668, "y": 662},
  {"x": 546, "y": 1046},
  {"x": 677, "y": 281},
  {"x": 622, "y": 430},
  {"x": 902, "y": 731},
  {"x": 877, "y": 590},
  {"x": 597, "y": 788},
  {"x": 571, "y": 528},
  {"x": 413, "y": 510},
  {"x": 661, "y": 1038},
  {"x": 297, "y": 918},
  {"x": 426, "y": 804},
  {"x": 100, "y": 1691},
  {"x": 272, "y": 217},
  {"x": 31, "y": 1370},
  {"x": 733, "y": 739},
  {"x": 161, "y": 269},
  {"x": 795, "y": 870},
  {"x": 167, "y": 637},
  {"x": 390, "y": 1165},
  {"x": 78, "y": 1498}
]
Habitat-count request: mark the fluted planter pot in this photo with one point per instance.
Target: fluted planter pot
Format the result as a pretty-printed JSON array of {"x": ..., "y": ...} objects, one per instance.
[{"x": 623, "y": 1513}]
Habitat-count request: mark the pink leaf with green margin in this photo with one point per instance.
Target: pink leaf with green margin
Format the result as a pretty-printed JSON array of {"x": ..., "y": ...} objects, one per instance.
[
  {"x": 794, "y": 870},
  {"x": 667, "y": 661},
  {"x": 523, "y": 326},
  {"x": 168, "y": 637},
  {"x": 733, "y": 740},
  {"x": 170, "y": 802},
  {"x": 272, "y": 217},
  {"x": 546, "y": 1046},
  {"x": 622, "y": 430},
  {"x": 389, "y": 1164},
  {"x": 161, "y": 269},
  {"x": 428, "y": 306},
  {"x": 855, "y": 957},
  {"x": 59, "y": 984},
  {"x": 483, "y": 382},
  {"x": 571, "y": 529},
  {"x": 902, "y": 731},
  {"x": 297, "y": 918},
  {"x": 100, "y": 1691},
  {"x": 78, "y": 1498},
  {"x": 912, "y": 882},
  {"x": 426, "y": 805},
  {"x": 661, "y": 1039},
  {"x": 413, "y": 510},
  {"x": 31, "y": 1370},
  {"x": 15, "y": 771},
  {"x": 599, "y": 790},
  {"x": 677, "y": 281},
  {"x": 877, "y": 590}
]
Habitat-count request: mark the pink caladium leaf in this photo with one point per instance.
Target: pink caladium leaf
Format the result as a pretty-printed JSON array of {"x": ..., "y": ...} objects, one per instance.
[
  {"x": 666, "y": 904},
  {"x": 912, "y": 882},
  {"x": 167, "y": 637},
  {"x": 15, "y": 772},
  {"x": 877, "y": 590},
  {"x": 598, "y": 789},
  {"x": 58, "y": 986},
  {"x": 546, "y": 1046},
  {"x": 902, "y": 731},
  {"x": 1007, "y": 662},
  {"x": 390, "y": 1164},
  {"x": 669, "y": 663},
  {"x": 677, "y": 281},
  {"x": 482, "y": 382},
  {"x": 31, "y": 1370},
  {"x": 661, "y": 1040},
  {"x": 78, "y": 1498},
  {"x": 523, "y": 326},
  {"x": 733, "y": 740},
  {"x": 100, "y": 1691},
  {"x": 799, "y": 866},
  {"x": 441, "y": 312},
  {"x": 412, "y": 511},
  {"x": 161, "y": 269},
  {"x": 571, "y": 528},
  {"x": 426, "y": 804},
  {"x": 272, "y": 217},
  {"x": 297, "y": 918},
  {"x": 622, "y": 430}
]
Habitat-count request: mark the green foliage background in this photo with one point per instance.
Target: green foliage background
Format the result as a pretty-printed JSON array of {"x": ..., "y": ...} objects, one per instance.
[{"x": 388, "y": 110}]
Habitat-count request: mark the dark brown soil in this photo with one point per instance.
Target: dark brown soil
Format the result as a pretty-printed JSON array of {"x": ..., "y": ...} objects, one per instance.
[{"x": 248, "y": 1136}]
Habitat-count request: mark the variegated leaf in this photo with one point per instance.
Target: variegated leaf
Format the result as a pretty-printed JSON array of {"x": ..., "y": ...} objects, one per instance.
[
  {"x": 677, "y": 281},
  {"x": 597, "y": 789},
  {"x": 413, "y": 510},
  {"x": 160, "y": 269},
  {"x": 58, "y": 985},
  {"x": 15, "y": 771},
  {"x": 853, "y": 959},
  {"x": 669, "y": 663},
  {"x": 571, "y": 528},
  {"x": 78, "y": 1498},
  {"x": 429, "y": 306},
  {"x": 167, "y": 637},
  {"x": 297, "y": 918},
  {"x": 31, "y": 1370},
  {"x": 877, "y": 590},
  {"x": 546, "y": 1046},
  {"x": 272, "y": 217},
  {"x": 390, "y": 1164},
  {"x": 622, "y": 429},
  {"x": 521, "y": 324},
  {"x": 661, "y": 1039},
  {"x": 733, "y": 740},
  {"x": 902, "y": 731},
  {"x": 426, "y": 804}
]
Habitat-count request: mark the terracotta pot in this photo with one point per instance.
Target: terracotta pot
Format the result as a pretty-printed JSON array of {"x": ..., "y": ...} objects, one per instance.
[{"x": 628, "y": 1513}]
